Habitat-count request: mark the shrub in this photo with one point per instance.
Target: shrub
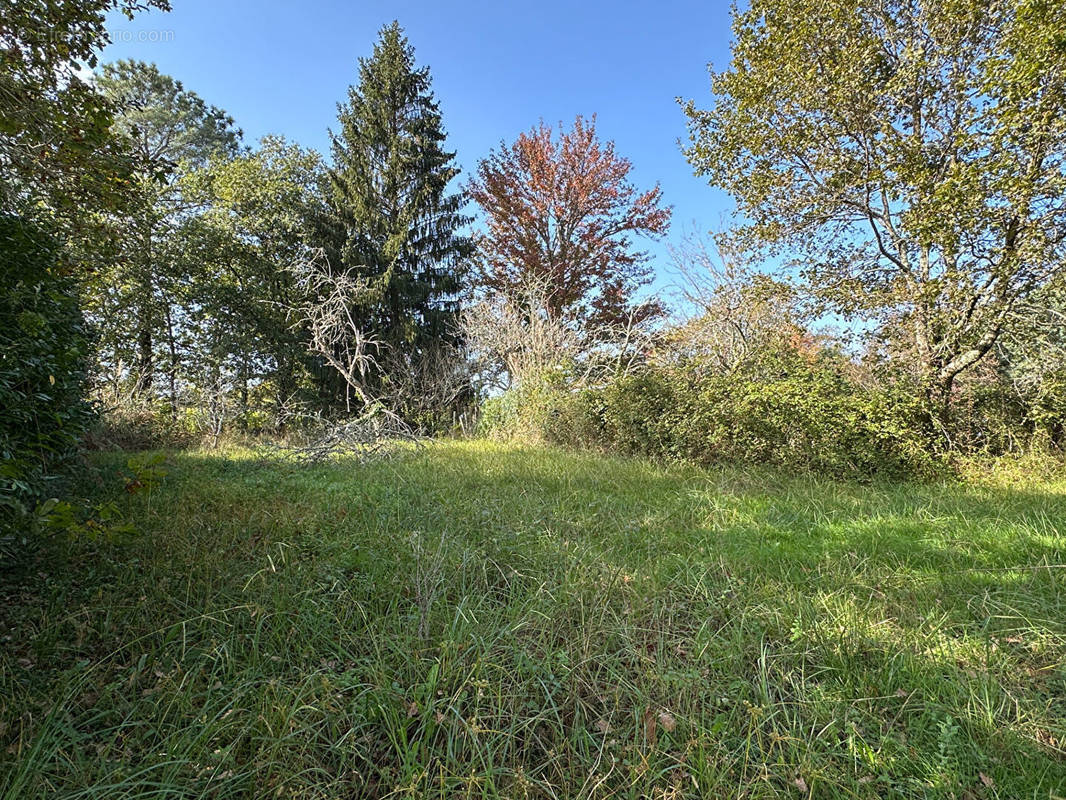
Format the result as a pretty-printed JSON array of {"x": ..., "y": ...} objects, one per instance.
[
  {"x": 810, "y": 415},
  {"x": 791, "y": 409},
  {"x": 1000, "y": 408},
  {"x": 43, "y": 358},
  {"x": 144, "y": 427},
  {"x": 525, "y": 410}
]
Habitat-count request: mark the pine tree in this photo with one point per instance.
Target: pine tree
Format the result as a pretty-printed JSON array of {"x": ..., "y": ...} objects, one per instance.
[{"x": 392, "y": 217}]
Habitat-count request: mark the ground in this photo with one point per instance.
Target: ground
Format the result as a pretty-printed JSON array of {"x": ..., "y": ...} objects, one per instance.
[{"x": 487, "y": 620}]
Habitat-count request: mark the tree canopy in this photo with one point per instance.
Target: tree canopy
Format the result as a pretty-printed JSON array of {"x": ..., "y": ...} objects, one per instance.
[
  {"x": 908, "y": 153},
  {"x": 392, "y": 216},
  {"x": 56, "y": 140},
  {"x": 560, "y": 209}
]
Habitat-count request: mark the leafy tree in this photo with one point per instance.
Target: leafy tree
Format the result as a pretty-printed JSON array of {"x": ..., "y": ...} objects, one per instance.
[
  {"x": 171, "y": 131},
  {"x": 909, "y": 152},
  {"x": 55, "y": 139},
  {"x": 561, "y": 211},
  {"x": 255, "y": 226},
  {"x": 391, "y": 215}
]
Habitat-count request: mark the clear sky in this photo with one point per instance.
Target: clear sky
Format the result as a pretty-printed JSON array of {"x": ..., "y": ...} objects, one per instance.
[{"x": 497, "y": 67}]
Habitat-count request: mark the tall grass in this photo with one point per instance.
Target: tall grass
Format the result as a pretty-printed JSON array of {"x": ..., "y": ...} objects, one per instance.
[{"x": 485, "y": 620}]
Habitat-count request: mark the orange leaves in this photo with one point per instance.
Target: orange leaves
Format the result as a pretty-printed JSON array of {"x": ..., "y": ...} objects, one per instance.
[{"x": 560, "y": 210}]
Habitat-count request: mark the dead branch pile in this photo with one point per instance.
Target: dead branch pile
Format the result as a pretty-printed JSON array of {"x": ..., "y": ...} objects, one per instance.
[{"x": 377, "y": 434}]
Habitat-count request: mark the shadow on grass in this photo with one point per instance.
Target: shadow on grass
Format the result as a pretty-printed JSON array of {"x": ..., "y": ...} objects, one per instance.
[{"x": 493, "y": 621}]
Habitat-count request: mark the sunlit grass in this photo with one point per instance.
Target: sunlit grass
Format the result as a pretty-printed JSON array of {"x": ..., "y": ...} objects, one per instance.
[{"x": 482, "y": 620}]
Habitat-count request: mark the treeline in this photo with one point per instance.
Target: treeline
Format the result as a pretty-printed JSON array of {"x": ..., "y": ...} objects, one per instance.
[
  {"x": 201, "y": 304},
  {"x": 902, "y": 171},
  {"x": 903, "y": 165},
  {"x": 163, "y": 282}
]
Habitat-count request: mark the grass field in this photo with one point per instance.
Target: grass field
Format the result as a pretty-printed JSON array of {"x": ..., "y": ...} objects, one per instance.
[{"x": 482, "y": 620}]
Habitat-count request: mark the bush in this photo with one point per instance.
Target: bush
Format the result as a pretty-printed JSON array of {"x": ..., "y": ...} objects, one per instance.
[
  {"x": 998, "y": 408},
  {"x": 144, "y": 427},
  {"x": 791, "y": 409},
  {"x": 43, "y": 358},
  {"x": 524, "y": 411}
]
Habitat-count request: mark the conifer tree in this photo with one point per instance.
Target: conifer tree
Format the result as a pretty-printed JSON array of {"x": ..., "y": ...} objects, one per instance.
[{"x": 391, "y": 215}]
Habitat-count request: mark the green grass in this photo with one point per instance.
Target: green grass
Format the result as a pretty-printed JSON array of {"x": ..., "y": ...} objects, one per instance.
[{"x": 482, "y": 620}]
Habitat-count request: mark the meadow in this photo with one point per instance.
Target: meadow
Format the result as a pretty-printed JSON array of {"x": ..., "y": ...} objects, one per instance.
[{"x": 485, "y": 620}]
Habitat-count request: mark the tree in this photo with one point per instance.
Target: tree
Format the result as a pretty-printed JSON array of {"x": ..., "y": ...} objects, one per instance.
[
  {"x": 170, "y": 131},
  {"x": 562, "y": 211},
  {"x": 256, "y": 225},
  {"x": 512, "y": 339},
  {"x": 55, "y": 129},
  {"x": 742, "y": 315},
  {"x": 908, "y": 152},
  {"x": 391, "y": 217}
]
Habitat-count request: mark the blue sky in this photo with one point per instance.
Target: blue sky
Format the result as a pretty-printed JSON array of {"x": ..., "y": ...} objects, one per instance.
[{"x": 497, "y": 68}]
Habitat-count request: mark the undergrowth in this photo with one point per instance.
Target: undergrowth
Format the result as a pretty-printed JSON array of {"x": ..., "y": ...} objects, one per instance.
[{"x": 487, "y": 620}]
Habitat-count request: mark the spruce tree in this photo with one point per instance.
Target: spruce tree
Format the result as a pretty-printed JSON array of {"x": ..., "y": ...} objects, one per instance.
[{"x": 392, "y": 217}]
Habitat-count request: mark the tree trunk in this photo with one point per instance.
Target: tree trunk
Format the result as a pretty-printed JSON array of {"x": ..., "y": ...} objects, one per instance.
[
  {"x": 244, "y": 393},
  {"x": 145, "y": 366},
  {"x": 145, "y": 333},
  {"x": 172, "y": 369}
]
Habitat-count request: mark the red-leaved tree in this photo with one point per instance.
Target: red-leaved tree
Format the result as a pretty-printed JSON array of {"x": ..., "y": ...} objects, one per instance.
[{"x": 561, "y": 213}]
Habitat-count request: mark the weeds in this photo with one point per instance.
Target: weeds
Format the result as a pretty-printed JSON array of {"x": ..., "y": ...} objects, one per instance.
[{"x": 478, "y": 620}]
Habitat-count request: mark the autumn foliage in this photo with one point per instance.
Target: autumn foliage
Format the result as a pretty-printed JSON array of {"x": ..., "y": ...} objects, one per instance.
[{"x": 561, "y": 212}]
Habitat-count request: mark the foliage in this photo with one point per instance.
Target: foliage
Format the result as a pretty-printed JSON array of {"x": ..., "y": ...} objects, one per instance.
[
  {"x": 44, "y": 347},
  {"x": 527, "y": 411},
  {"x": 56, "y": 143},
  {"x": 143, "y": 427},
  {"x": 791, "y": 407},
  {"x": 167, "y": 125},
  {"x": 560, "y": 210},
  {"x": 808, "y": 415},
  {"x": 742, "y": 382},
  {"x": 495, "y": 621},
  {"x": 1033, "y": 358},
  {"x": 910, "y": 153},
  {"x": 242, "y": 292},
  {"x": 390, "y": 217},
  {"x": 104, "y": 520},
  {"x": 171, "y": 131}
]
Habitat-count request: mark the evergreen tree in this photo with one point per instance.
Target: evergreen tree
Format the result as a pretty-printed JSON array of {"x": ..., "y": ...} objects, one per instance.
[{"x": 391, "y": 216}]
